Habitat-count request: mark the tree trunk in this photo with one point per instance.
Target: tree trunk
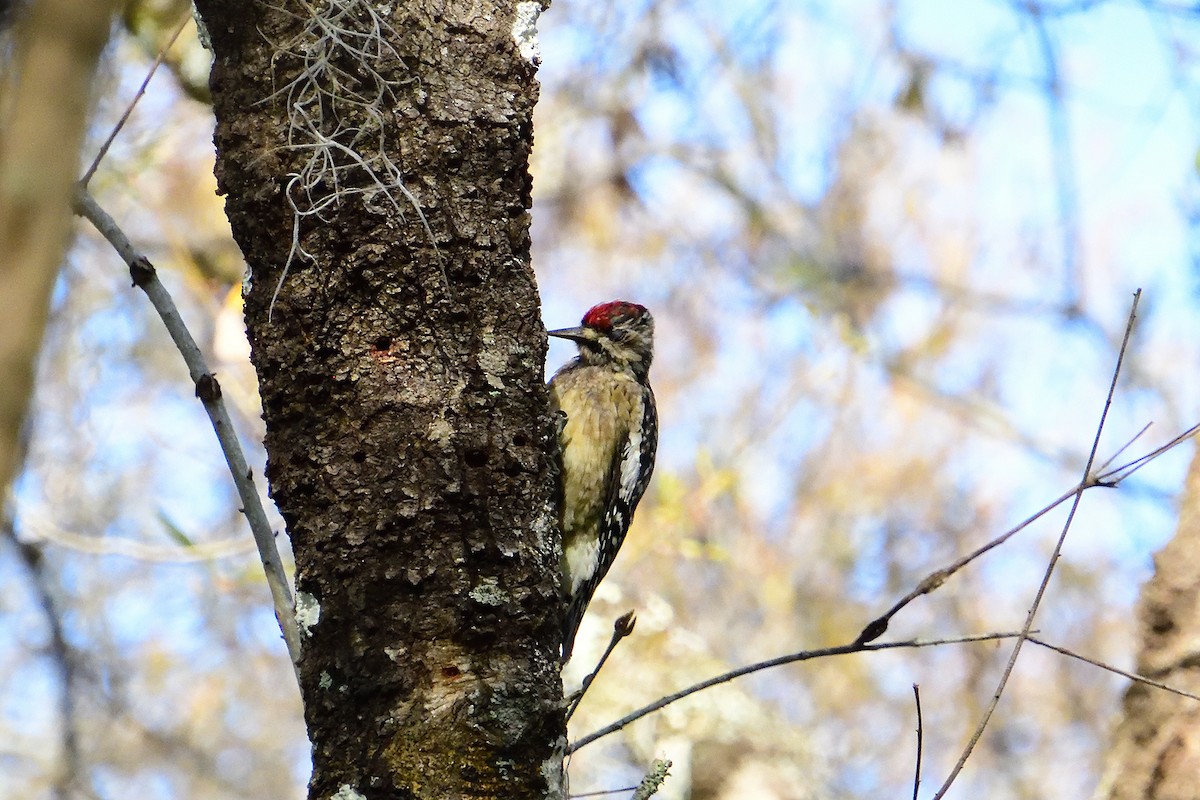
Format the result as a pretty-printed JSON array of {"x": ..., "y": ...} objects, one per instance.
[
  {"x": 44, "y": 104},
  {"x": 1155, "y": 752},
  {"x": 400, "y": 361}
]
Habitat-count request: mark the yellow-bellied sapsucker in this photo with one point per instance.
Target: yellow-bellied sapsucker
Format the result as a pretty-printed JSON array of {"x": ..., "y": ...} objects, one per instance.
[{"x": 608, "y": 439}]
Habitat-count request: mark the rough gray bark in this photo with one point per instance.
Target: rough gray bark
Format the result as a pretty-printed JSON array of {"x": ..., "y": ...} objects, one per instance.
[
  {"x": 408, "y": 435},
  {"x": 1155, "y": 750}
]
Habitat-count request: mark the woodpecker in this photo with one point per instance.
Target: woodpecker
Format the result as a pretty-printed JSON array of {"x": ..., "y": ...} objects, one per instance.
[{"x": 609, "y": 437}]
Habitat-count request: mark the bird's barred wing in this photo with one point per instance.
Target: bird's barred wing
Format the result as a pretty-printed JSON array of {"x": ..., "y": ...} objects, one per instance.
[{"x": 628, "y": 482}]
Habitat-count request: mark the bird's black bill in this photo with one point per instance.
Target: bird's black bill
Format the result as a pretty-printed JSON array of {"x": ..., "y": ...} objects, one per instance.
[{"x": 574, "y": 334}]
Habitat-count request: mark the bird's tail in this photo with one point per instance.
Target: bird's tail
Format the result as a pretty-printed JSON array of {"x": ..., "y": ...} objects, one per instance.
[{"x": 575, "y": 611}]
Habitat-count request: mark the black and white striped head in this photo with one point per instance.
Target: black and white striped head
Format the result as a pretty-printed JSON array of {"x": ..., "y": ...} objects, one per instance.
[{"x": 616, "y": 333}]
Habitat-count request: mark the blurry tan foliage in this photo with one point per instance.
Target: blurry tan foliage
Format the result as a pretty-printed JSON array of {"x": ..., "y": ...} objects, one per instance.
[{"x": 864, "y": 370}]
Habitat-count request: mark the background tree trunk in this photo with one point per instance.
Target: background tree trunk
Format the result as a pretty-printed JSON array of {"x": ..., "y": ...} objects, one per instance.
[
  {"x": 1155, "y": 751},
  {"x": 402, "y": 382},
  {"x": 49, "y": 90}
]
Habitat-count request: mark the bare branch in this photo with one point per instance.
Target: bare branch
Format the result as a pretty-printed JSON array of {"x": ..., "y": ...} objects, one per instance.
[
  {"x": 209, "y": 392},
  {"x": 920, "y": 741},
  {"x": 103, "y": 151},
  {"x": 935, "y": 579},
  {"x": 1062, "y": 537},
  {"x": 802, "y": 655},
  {"x": 1118, "y": 474},
  {"x": 622, "y": 627},
  {"x": 1133, "y": 676},
  {"x": 1111, "y": 479}
]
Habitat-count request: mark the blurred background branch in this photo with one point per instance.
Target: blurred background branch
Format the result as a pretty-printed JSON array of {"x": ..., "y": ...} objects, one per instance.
[{"x": 45, "y": 100}]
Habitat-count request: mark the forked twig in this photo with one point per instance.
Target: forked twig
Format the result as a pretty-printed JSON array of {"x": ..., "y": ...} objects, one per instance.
[
  {"x": 931, "y": 582},
  {"x": 1111, "y": 479},
  {"x": 1108, "y": 461},
  {"x": 622, "y": 627},
  {"x": 1118, "y": 474}
]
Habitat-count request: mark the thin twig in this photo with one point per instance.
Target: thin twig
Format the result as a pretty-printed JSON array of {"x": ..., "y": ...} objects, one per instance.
[
  {"x": 1108, "y": 462},
  {"x": 162, "y": 54},
  {"x": 1111, "y": 479},
  {"x": 602, "y": 792},
  {"x": 622, "y": 627},
  {"x": 1133, "y": 676},
  {"x": 802, "y": 655},
  {"x": 209, "y": 392},
  {"x": 878, "y": 626},
  {"x": 1062, "y": 537},
  {"x": 1118, "y": 474},
  {"x": 920, "y": 741}
]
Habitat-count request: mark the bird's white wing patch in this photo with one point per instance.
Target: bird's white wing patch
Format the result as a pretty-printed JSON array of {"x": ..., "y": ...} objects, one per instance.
[
  {"x": 581, "y": 556},
  {"x": 631, "y": 460}
]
